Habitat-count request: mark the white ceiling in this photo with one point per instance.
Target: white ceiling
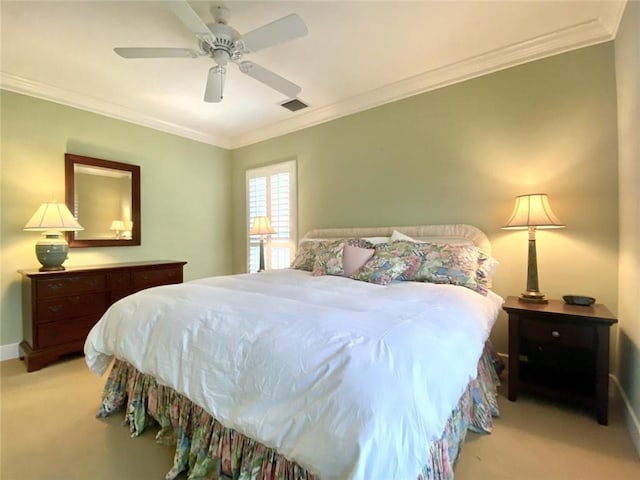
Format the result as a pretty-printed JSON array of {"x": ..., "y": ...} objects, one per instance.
[{"x": 357, "y": 55}]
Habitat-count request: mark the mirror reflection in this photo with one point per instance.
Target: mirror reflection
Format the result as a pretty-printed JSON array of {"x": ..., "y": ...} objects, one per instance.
[
  {"x": 105, "y": 198},
  {"x": 110, "y": 216}
]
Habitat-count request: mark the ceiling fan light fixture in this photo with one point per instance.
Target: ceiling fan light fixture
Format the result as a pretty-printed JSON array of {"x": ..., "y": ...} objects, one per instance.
[
  {"x": 245, "y": 66},
  {"x": 215, "y": 84},
  {"x": 221, "y": 57}
]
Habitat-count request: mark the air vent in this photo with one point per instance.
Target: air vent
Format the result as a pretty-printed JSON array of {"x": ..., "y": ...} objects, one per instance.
[{"x": 294, "y": 105}]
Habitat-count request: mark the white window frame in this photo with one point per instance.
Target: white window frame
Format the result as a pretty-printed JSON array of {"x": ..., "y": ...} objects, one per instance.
[{"x": 275, "y": 241}]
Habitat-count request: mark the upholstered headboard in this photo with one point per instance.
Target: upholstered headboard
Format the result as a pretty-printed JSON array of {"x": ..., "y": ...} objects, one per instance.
[{"x": 446, "y": 233}]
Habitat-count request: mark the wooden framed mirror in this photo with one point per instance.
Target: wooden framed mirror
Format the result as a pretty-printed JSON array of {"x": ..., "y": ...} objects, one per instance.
[{"x": 104, "y": 196}]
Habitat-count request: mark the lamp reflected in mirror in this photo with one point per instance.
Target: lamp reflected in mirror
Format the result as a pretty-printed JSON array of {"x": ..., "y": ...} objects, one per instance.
[{"x": 118, "y": 227}]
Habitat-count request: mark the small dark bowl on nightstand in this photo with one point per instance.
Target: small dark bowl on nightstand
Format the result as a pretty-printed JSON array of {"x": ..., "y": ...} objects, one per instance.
[{"x": 579, "y": 300}]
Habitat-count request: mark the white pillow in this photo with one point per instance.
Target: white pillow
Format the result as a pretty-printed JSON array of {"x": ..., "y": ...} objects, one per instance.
[
  {"x": 397, "y": 236},
  {"x": 377, "y": 240}
]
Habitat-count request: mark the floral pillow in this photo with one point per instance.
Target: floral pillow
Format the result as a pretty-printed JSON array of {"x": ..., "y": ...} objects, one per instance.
[
  {"x": 387, "y": 265},
  {"x": 306, "y": 255},
  {"x": 329, "y": 259},
  {"x": 446, "y": 263},
  {"x": 486, "y": 268}
]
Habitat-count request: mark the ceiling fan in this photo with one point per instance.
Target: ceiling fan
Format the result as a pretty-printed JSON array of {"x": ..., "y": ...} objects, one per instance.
[{"x": 224, "y": 44}]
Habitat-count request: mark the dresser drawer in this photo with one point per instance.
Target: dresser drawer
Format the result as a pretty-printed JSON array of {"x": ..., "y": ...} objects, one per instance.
[
  {"x": 51, "y": 309},
  {"x": 65, "y": 331},
  {"x": 116, "y": 295},
  {"x": 70, "y": 285},
  {"x": 558, "y": 333},
  {"x": 119, "y": 280},
  {"x": 152, "y": 278}
]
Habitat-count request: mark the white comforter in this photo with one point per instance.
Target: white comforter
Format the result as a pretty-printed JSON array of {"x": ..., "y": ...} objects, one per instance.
[{"x": 349, "y": 379}]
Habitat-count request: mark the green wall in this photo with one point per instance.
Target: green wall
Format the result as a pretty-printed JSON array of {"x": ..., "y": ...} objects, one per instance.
[
  {"x": 185, "y": 192},
  {"x": 461, "y": 154},
  {"x": 456, "y": 154}
]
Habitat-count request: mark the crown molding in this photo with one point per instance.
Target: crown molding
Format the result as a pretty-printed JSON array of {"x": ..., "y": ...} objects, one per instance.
[
  {"x": 576, "y": 36},
  {"x": 611, "y": 16},
  {"x": 62, "y": 96}
]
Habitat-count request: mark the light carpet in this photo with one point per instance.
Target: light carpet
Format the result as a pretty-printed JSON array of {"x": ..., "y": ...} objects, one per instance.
[{"x": 48, "y": 430}]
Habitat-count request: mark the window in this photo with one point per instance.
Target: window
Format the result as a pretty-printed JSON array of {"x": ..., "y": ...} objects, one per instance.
[{"x": 271, "y": 191}]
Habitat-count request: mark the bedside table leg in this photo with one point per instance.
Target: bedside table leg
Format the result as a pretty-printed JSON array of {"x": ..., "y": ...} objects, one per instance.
[
  {"x": 602, "y": 375},
  {"x": 514, "y": 355}
]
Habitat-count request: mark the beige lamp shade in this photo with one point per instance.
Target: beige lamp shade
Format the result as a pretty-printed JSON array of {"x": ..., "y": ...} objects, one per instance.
[
  {"x": 533, "y": 210},
  {"x": 261, "y": 226},
  {"x": 53, "y": 216}
]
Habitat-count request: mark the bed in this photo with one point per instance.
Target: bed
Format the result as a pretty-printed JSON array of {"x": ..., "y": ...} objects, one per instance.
[{"x": 313, "y": 372}]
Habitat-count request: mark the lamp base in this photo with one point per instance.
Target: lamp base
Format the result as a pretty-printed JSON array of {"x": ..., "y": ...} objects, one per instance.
[
  {"x": 532, "y": 297},
  {"x": 261, "y": 267},
  {"x": 51, "y": 269},
  {"x": 52, "y": 250}
]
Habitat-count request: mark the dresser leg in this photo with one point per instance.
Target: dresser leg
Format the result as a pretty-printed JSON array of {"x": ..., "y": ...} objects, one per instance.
[{"x": 35, "y": 359}]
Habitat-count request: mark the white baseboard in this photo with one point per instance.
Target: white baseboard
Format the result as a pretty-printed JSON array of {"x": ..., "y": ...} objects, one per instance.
[
  {"x": 9, "y": 352},
  {"x": 633, "y": 425}
]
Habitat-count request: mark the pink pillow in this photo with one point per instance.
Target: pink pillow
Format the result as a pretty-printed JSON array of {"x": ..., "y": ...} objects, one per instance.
[{"x": 353, "y": 258}]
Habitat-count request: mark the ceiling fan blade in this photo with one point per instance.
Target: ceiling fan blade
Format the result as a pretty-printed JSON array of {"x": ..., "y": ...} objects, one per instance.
[
  {"x": 279, "y": 31},
  {"x": 157, "y": 52},
  {"x": 190, "y": 18},
  {"x": 215, "y": 84},
  {"x": 270, "y": 79}
]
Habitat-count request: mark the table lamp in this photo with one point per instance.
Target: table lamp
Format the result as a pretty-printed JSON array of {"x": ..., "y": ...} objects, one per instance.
[
  {"x": 52, "y": 249},
  {"x": 118, "y": 227},
  {"x": 532, "y": 211},
  {"x": 261, "y": 226}
]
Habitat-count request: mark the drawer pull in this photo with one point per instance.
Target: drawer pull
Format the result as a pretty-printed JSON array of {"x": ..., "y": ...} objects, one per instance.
[
  {"x": 555, "y": 334},
  {"x": 55, "y": 286},
  {"x": 55, "y": 308}
]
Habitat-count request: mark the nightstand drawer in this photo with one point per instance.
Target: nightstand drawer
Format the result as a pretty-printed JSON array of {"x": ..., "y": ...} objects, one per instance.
[{"x": 557, "y": 332}]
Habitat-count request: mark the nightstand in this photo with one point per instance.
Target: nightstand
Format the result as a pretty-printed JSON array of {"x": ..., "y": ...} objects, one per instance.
[{"x": 561, "y": 351}]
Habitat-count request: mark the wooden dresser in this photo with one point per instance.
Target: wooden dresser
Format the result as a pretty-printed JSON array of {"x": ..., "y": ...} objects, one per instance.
[{"x": 59, "y": 308}]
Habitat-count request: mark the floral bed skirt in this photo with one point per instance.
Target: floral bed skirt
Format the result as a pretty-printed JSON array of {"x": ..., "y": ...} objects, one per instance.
[{"x": 208, "y": 450}]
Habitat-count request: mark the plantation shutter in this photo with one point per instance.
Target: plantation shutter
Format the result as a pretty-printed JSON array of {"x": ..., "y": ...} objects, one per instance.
[{"x": 271, "y": 192}]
